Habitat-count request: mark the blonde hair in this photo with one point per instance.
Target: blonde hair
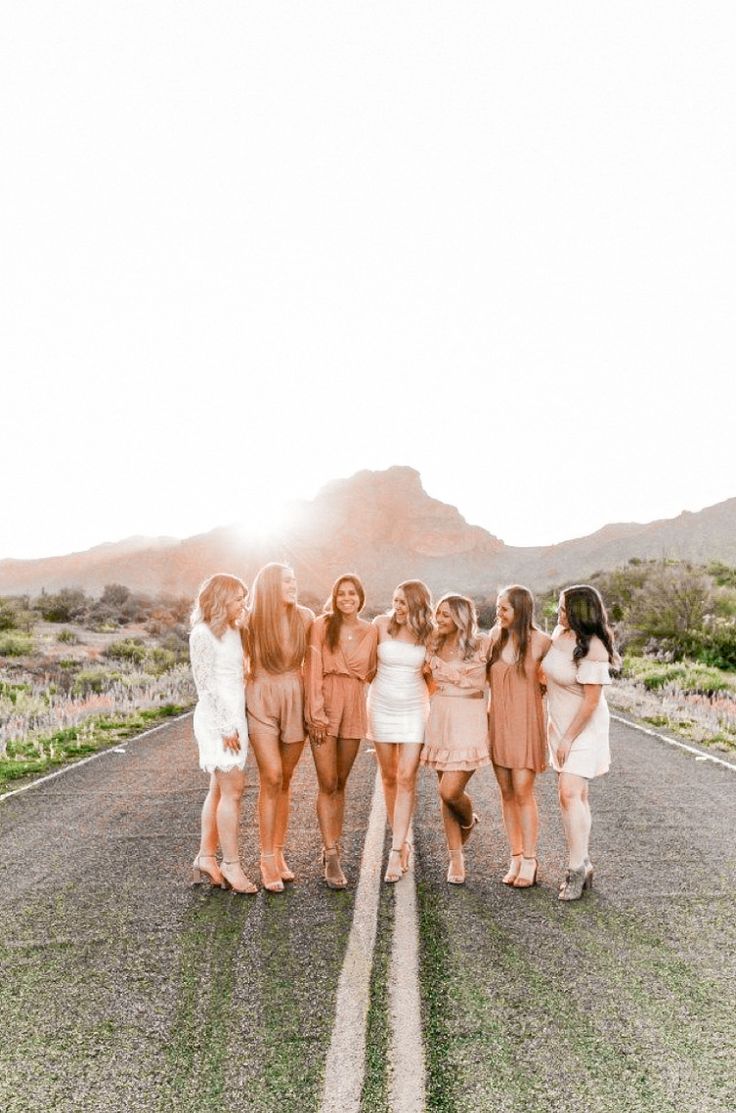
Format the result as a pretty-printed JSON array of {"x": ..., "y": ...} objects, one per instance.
[
  {"x": 263, "y": 636},
  {"x": 420, "y": 619},
  {"x": 212, "y": 601},
  {"x": 463, "y": 613}
]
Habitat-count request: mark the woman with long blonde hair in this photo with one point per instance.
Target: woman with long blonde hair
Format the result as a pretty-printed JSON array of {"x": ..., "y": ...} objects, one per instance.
[
  {"x": 276, "y": 636},
  {"x": 340, "y": 661},
  {"x": 517, "y": 729},
  {"x": 220, "y": 727},
  {"x": 398, "y": 703},
  {"x": 456, "y": 739}
]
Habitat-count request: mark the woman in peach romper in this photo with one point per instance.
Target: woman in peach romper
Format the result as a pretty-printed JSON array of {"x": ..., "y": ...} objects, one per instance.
[
  {"x": 341, "y": 660},
  {"x": 276, "y": 634}
]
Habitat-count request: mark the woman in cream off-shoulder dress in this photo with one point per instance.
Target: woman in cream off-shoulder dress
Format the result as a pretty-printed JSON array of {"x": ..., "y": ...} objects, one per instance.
[{"x": 576, "y": 669}]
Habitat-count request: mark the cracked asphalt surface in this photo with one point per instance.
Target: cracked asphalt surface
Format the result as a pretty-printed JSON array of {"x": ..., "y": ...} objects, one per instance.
[{"x": 124, "y": 989}]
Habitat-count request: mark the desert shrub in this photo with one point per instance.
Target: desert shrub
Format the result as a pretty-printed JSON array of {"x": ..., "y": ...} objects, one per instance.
[
  {"x": 65, "y": 606},
  {"x": 93, "y": 680},
  {"x": 130, "y": 649},
  {"x": 723, "y": 574},
  {"x": 115, "y": 595},
  {"x": 67, "y": 637},
  {"x": 718, "y": 647},
  {"x": 688, "y": 676},
  {"x": 159, "y": 660},
  {"x": 13, "y": 643}
]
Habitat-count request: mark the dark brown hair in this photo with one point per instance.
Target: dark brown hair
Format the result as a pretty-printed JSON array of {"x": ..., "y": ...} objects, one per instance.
[
  {"x": 587, "y": 618},
  {"x": 522, "y": 604},
  {"x": 334, "y": 615}
]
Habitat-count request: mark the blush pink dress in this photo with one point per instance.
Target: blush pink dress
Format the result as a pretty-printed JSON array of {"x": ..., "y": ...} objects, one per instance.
[
  {"x": 517, "y": 728},
  {"x": 456, "y": 737}
]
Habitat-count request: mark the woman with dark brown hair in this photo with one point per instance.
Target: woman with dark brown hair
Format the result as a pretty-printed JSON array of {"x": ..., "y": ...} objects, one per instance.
[
  {"x": 517, "y": 729},
  {"x": 398, "y": 704},
  {"x": 576, "y": 670},
  {"x": 341, "y": 659},
  {"x": 276, "y": 635}
]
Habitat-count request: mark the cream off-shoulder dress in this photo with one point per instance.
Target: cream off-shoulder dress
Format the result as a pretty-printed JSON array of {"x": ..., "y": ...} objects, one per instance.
[
  {"x": 217, "y": 667},
  {"x": 590, "y": 755}
]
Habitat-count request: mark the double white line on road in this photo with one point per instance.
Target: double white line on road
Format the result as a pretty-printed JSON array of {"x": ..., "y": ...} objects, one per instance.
[{"x": 345, "y": 1068}]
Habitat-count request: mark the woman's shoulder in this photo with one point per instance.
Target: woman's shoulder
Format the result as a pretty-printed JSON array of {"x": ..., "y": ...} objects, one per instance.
[
  {"x": 381, "y": 622},
  {"x": 541, "y": 642},
  {"x": 596, "y": 650}
]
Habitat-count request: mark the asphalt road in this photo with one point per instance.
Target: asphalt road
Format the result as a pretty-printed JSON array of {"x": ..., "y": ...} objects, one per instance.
[{"x": 124, "y": 989}]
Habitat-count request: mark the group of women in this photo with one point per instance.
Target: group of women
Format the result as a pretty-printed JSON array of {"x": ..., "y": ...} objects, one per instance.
[{"x": 415, "y": 682}]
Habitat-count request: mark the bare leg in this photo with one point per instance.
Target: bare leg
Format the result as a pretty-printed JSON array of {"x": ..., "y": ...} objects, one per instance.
[
  {"x": 208, "y": 836},
  {"x": 388, "y": 760},
  {"x": 526, "y": 809},
  {"x": 406, "y": 783},
  {"x": 333, "y": 761},
  {"x": 573, "y": 795},
  {"x": 231, "y": 787},
  {"x": 290, "y": 754},
  {"x": 511, "y": 820},
  {"x": 457, "y": 807}
]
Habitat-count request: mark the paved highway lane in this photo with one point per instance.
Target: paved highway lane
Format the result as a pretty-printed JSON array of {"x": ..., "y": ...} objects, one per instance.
[{"x": 124, "y": 989}]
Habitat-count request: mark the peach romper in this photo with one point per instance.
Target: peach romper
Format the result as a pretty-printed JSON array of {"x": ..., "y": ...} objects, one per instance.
[
  {"x": 276, "y": 699},
  {"x": 517, "y": 727},
  {"x": 336, "y": 680},
  {"x": 456, "y": 738}
]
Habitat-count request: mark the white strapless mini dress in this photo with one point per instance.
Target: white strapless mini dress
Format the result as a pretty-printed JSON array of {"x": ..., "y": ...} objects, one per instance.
[{"x": 398, "y": 700}]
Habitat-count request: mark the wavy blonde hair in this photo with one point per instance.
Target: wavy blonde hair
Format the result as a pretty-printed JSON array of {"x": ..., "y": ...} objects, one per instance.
[
  {"x": 212, "y": 601},
  {"x": 263, "y": 636},
  {"x": 465, "y": 618},
  {"x": 420, "y": 618}
]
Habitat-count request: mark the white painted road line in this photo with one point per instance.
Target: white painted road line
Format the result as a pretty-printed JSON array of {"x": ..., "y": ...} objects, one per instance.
[
  {"x": 345, "y": 1067},
  {"x": 115, "y": 748},
  {"x": 700, "y": 754},
  {"x": 407, "y": 1081}
]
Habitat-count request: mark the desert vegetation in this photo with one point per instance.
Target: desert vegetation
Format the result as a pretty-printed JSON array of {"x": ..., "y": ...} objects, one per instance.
[{"x": 78, "y": 672}]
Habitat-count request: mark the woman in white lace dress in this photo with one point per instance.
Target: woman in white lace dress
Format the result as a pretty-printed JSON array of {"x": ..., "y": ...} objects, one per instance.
[
  {"x": 576, "y": 669},
  {"x": 398, "y": 705},
  {"x": 216, "y": 653}
]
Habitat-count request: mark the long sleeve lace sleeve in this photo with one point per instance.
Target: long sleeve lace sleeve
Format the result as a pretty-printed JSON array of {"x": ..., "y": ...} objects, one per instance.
[
  {"x": 313, "y": 678},
  {"x": 202, "y": 653}
]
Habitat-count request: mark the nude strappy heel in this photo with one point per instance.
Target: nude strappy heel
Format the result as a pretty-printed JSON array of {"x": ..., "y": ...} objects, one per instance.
[
  {"x": 456, "y": 868},
  {"x": 466, "y": 832},
  {"x": 275, "y": 884},
  {"x": 200, "y": 871},
  {"x": 227, "y": 883},
  {"x": 395, "y": 872}
]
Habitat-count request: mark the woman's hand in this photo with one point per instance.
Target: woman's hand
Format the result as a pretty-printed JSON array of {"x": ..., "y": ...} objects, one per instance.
[
  {"x": 232, "y": 742},
  {"x": 317, "y": 734},
  {"x": 563, "y": 751}
]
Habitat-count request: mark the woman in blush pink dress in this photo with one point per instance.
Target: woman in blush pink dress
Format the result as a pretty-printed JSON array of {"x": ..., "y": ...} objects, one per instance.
[
  {"x": 276, "y": 635},
  {"x": 398, "y": 703},
  {"x": 216, "y": 655},
  {"x": 518, "y": 737},
  {"x": 341, "y": 659},
  {"x": 456, "y": 738},
  {"x": 576, "y": 668}
]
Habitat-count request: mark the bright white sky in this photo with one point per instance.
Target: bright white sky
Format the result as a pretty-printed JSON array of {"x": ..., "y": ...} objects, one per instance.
[{"x": 251, "y": 247}]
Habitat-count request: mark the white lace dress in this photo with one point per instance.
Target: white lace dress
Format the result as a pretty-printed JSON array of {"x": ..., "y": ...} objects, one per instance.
[{"x": 217, "y": 667}]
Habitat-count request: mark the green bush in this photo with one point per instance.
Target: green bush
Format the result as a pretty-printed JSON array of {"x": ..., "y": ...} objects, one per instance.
[
  {"x": 130, "y": 649},
  {"x": 93, "y": 680},
  {"x": 159, "y": 661},
  {"x": 67, "y": 637},
  {"x": 15, "y": 644},
  {"x": 65, "y": 606}
]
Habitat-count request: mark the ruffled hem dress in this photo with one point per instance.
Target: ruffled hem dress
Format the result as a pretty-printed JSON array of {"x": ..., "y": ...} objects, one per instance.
[
  {"x": 456, "y": 737},
  {"x": 590, "y": 754},
  {"x": 517, "y": 727},
  {"x": 336, "y": 680},
  {"x": 398, "y": 700},
  {"x": 217, "y": 667}
]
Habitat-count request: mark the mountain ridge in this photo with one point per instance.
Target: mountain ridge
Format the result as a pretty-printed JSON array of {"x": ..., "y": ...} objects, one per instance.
[{"x": 386, "y": 527}]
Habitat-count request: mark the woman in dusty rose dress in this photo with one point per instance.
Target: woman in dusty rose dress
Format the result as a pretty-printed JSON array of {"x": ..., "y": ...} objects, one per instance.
[
  {"x": 517, "y": 727},
  {"x": 341, "y": 660},
  {"x": 276, "y": 634},
  {"x": 456, "y": 737}
]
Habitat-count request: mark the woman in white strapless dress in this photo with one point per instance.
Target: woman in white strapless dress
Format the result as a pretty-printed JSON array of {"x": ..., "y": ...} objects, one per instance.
[
  {"x": 220, "y": 728},
  {"x": 398, "y": 705}
]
